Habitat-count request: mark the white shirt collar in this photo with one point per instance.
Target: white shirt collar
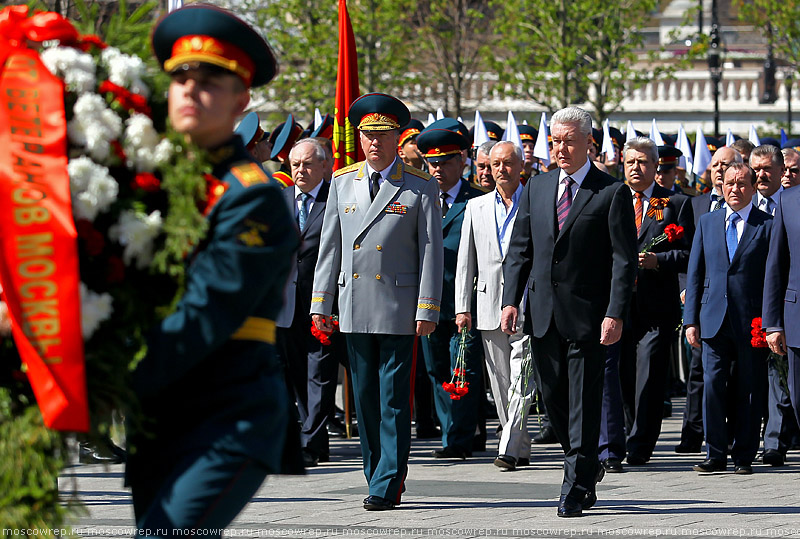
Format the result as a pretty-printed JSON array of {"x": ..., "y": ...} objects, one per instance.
[
  {"x": 648, "y": 193},
  {"x": 313, "y": 193},
  {"x": 452, "y": 193},
  {"x": 579, "y": 174},
  {"x": 744, "y": 213},
  {"x": 384, "y": 173}
]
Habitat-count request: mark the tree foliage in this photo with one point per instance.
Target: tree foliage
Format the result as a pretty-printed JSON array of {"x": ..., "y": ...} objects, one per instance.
[
  {"x": 782, "y": 17},
  {"x": 554, "y": 52}
]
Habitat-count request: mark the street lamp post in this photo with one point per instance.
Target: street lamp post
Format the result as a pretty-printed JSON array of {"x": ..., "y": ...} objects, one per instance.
[
  {"x": 788, "y": 81},
  {"x": 769, "y": 95},
  {"x": 714, "y": 63}
]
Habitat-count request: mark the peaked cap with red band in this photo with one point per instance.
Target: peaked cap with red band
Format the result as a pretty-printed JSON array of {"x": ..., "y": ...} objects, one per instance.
[
  {"x": 202, "y": 33},
  {"x": 378, "y": 112}
]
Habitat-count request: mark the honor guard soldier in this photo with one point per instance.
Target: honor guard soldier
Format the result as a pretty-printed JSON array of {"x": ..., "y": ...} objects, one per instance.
[
  {"x": 255, "y": 139},
  {"x": 667, "y": 172},
  {"x": 324, "y": 129},
  {"x": 381, "y": 251},
  {"x": 407, "y": 147},
  {"x": 528, "y": 136},
  {"x": 282, "y": 140},
  {"x": 213, "y": 395}
]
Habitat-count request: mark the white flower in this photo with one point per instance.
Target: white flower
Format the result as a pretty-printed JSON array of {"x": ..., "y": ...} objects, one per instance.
[
  {"x": 95, "y": 309},
  {"x": 136, "y": 232},
  {"x": 94, "y": 126},
  {"x": 125, "y": 70},
  {"x": 76, "y": 68},
  {"x": 5, "y": 320},
  {"x": 143, "y": 146},
  {"x": 92, "y": 187}
]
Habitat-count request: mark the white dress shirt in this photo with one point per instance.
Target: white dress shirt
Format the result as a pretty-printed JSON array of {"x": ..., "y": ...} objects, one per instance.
[
  {"x": 760, "y": 201},
  {"x": 384, "y": 173},
  {"x": 744, "y": 213},
  {"x": 645, "y": 200},
  {"x": 298, "y": 200},
  {"x": 578, "y": 177}
]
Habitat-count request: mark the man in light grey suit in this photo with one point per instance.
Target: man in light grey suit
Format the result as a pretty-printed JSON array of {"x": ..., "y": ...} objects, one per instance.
[
  {"x": 485, "y": 235},
  {"x": 381, "y": 248}
]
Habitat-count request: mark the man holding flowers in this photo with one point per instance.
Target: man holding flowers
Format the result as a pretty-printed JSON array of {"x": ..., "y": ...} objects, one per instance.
[{"x": 723, "y": 296}]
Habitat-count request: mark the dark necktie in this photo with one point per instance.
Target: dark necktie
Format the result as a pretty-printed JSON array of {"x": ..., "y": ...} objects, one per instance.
[
  {"x": 445, "y": 206},
  {"x": 565, "y": 202},
  {"x": 768, "y": 205},
  {"x": 718, "y": 202},
  {"x": 639, "y": 211},
  {"x": 374, "y": 185},
  {"x": 302, "y": 216},
  {"x": 731, "y": 237}
]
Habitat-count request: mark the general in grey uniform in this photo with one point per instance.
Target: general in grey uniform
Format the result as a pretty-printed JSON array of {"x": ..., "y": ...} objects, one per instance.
[{"x": 381, "y": 249}]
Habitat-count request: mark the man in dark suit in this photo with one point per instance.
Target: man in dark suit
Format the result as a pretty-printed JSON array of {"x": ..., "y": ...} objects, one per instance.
[
  {"x": 728, "y": 259},
  {"x": 692, "y": 430},
  {"x": 574, "y": 248},
  {"x": 655, "y": 311},
  {"x": 213, "y": 395},
  {"x": 312, "y": 368},
  {"x": 781, "y": 309},
  {"x": 442, "y": 150}
]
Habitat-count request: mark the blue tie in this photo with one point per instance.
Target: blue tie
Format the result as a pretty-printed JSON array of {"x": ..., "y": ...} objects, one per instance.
[
  {"x": 302, "y": 217},
  {"x": 731, "y": 238}
]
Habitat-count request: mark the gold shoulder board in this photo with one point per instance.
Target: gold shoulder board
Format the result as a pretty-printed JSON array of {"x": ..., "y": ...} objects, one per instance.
[
  {"x": 249, "y": 174},
  {"x": 418, "y": 173},
  {"x": 348, "y": 168}
]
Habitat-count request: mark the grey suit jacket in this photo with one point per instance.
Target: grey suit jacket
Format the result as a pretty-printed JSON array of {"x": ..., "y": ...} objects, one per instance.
[
  {"x": 385, "y": 257},
  {"x": 479, "y": 255}
]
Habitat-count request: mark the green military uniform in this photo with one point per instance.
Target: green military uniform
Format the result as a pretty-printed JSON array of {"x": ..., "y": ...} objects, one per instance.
[{"x": 212, "y": 391}]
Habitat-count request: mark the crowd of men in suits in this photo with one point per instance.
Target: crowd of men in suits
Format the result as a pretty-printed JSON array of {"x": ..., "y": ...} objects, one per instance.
[{"x": 545, "y": 281}]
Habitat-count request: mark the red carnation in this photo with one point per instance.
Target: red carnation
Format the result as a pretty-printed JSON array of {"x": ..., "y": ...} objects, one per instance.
[
  {"x": 449, "y": 387},
  {"x": 673, "y": 232},
  {"x": 115, "y": 272},
  {"x": 118, "y": 150},
  {"x": 759, "y": 336},
  {"x": 126, "y": 99},
  {"x": 86, "y": 42},
  {"x": 146, "y": 181},
  {"x": 92, "y": 239}
]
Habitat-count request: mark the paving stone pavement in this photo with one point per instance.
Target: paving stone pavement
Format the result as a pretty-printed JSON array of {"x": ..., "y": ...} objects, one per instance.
[{"x": 473, "y": 498}]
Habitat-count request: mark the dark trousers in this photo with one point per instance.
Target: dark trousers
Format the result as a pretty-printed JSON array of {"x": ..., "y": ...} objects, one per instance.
[
  {"x": 782, "y": 431},
  {"x": 312, "y": 371},
  {"x": 612, "y": 419},
  {"x": 794, "y": 379},
  {"x": 746, "y": 383},
  {"x": 381, "y": 369},
  {"x": 692, "y": 429},
  {"x": 458, "y": 418},
  {"x": 571, "y": 381},
  {"x": 643, "y": 366},
  {"x": 206, "y": 490}
]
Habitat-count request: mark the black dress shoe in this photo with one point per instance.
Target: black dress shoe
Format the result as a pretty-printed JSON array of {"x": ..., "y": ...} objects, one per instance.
[
  {"x": 612, "y": 465},
  {"x": 710, "y": 466},
  {"x": 523, "y": 462},
  {"x": 686, "y": 447},
  {"x": 545, "y": 436},
  {"x": 743, "y": 469},
  {"x": 773, "y": 457},
  {"x": 428, "y": 432},
  {"x": 90, "y": 454},
  {"x": 506, "y": 462},
  {"x": 589, "y": 501},
  {"x": 450, "y": 453},
  {"x": 567, "y": 507},
  {"x": 479, "y": 444},
  {"x": 336, "y": 428},
  {"x": 309, "y": 459},
  {"x": 324, "y": 457},
  {"x": 636, "y": 460},
  {"x": 376, "y": 503}
]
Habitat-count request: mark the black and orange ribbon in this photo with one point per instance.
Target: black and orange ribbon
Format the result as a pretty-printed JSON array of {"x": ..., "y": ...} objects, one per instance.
[{"x": 656, "y": 208}]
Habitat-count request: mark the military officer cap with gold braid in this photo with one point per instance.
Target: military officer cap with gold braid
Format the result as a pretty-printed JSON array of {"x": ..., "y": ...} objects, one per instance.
[
  {"x": 413, "y": 128},
  {"x": 436, "y": 144},
  {"x": 206, "y": 34},
  {"x": 378, "y": 112},
  {"x": 527, "y": 133}
]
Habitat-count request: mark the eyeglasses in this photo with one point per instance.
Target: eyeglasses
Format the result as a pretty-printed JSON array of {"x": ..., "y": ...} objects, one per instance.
[{"x": 793, "y": 170}]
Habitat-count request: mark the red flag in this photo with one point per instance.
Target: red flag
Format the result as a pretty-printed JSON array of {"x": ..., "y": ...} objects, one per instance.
[{"x": 346, "y": 149}]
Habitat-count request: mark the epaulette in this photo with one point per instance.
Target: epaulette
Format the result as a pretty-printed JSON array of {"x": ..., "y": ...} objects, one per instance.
[
  {"x": 481, "y": 188},
  {"x": 249, "y": 173},
  {"x": 348, "y": 168},
  {"x": 418, "y": 173}
]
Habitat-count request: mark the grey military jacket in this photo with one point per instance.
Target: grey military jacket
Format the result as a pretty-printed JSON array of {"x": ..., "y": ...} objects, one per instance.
[{"x": 385, "y": 257}]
